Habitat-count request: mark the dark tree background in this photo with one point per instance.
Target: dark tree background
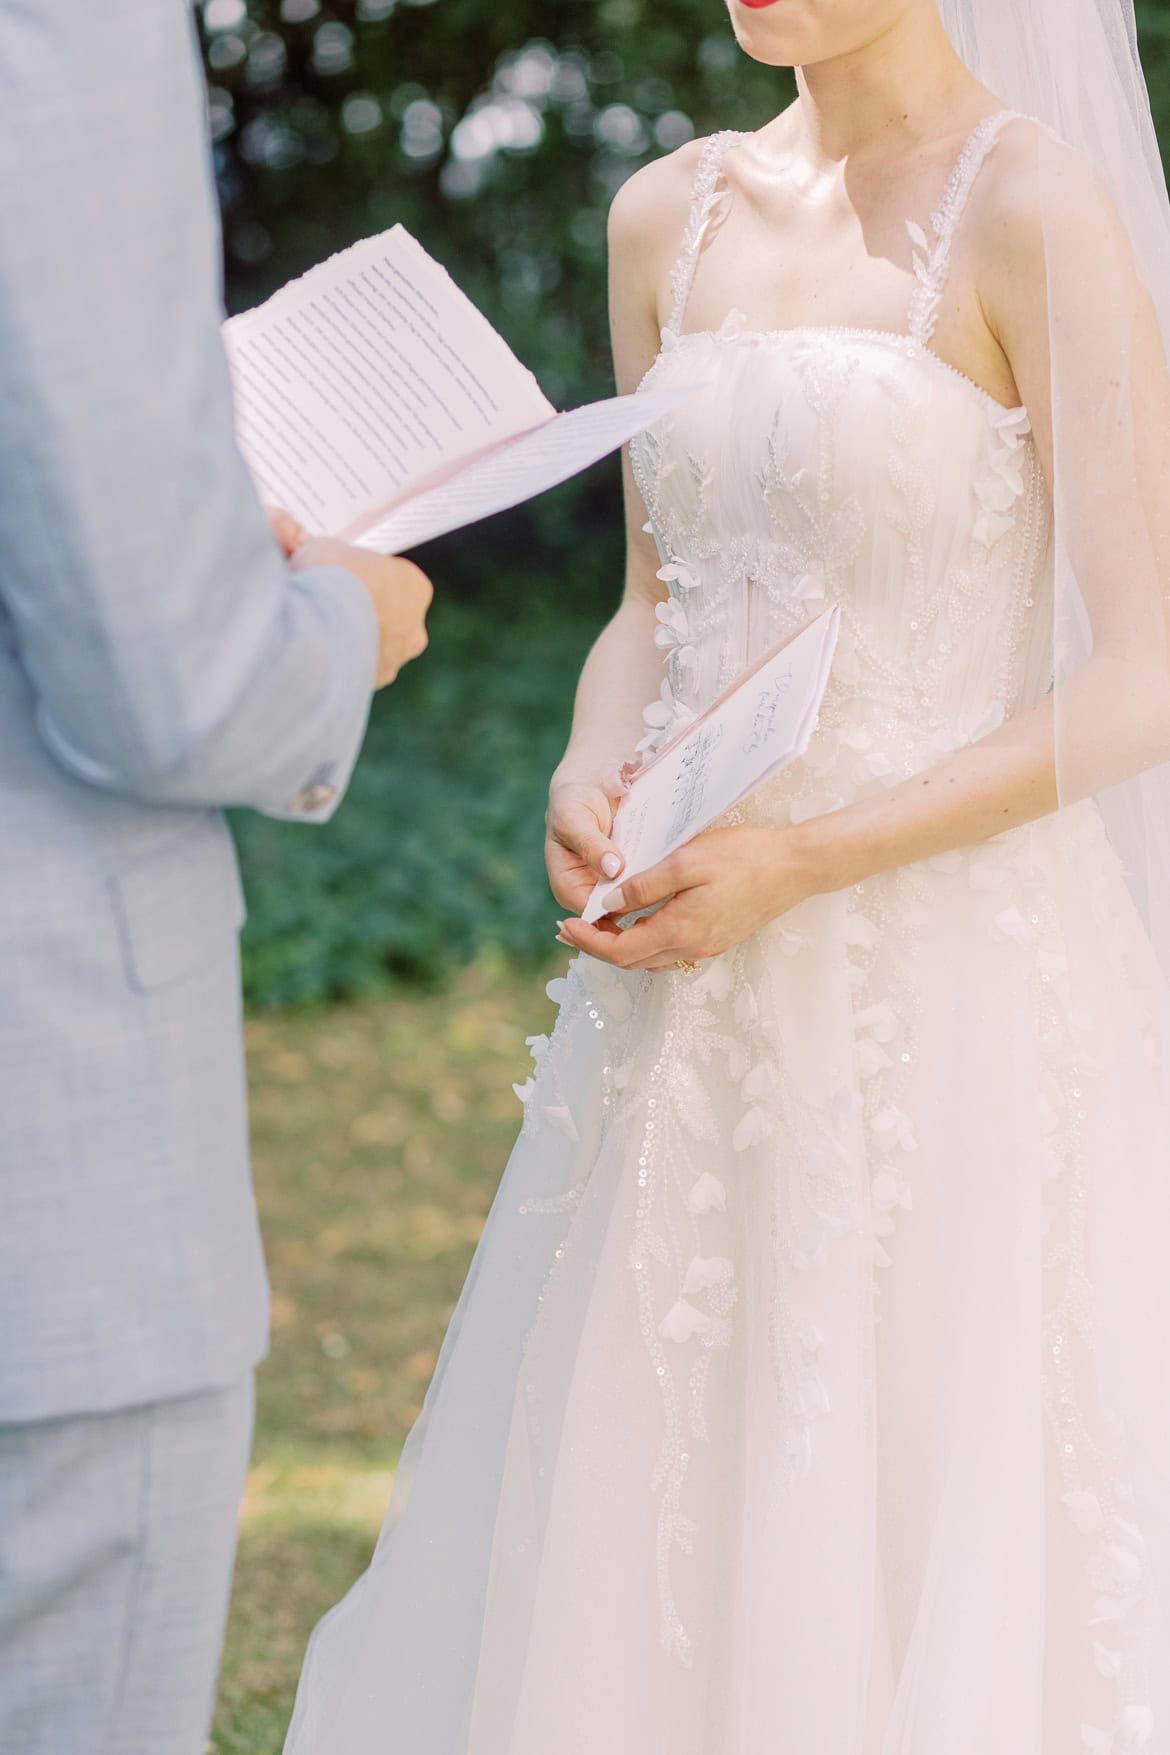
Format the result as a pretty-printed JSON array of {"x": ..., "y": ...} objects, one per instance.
[{"x": 497, "y": 131}]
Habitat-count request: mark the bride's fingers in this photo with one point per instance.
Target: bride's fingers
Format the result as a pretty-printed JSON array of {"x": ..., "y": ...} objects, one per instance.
[
  {"x": 673, "y": 960},
  {"x": 581, "y": 834},
  {"x": 633, "y": 948},
  {"x": 601, "y": 853},
  {"x": 580, "y": 816},
  {"x": 669, "y": 956},
  {"x": 652, "y": 887},
  {"x": 570, "y": 880}
]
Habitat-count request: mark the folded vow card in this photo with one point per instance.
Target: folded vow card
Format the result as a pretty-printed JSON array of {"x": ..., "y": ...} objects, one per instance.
[
  {"x": 758, "y": 726},
  {"x": 374, "y": 402}
]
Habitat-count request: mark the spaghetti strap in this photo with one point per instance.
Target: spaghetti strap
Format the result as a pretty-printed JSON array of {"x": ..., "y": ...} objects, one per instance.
[
  {"x": 932, "y": 260},
  {"x": 705, "y": 197}
]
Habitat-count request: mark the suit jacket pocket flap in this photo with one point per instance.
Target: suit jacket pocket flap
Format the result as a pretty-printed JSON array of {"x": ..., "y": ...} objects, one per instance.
[{"x": 181, "y": 906}]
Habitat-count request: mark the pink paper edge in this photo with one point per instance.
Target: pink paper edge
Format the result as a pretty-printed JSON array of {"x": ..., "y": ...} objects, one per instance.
[
  {"x": 370, "y": 520},
  {"x": 745, "y": 676}
]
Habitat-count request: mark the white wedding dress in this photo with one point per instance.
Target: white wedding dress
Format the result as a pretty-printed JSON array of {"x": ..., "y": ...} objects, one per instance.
[{"x": 808, "y": 1395}]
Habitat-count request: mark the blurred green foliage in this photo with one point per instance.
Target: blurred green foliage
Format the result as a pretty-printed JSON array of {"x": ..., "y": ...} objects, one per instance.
[
  {"x": 498, "y": 132},
  {"x": 435, "y": 856}
]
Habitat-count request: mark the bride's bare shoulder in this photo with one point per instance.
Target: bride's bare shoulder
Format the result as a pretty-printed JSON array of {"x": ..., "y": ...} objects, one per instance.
[
  {"x": 1035, "y": 188},
  {"x": 648, "y": 214},
  {"x": 1044, "y": 219},
  {"x": 647, "y": 220},
  {"x": 663, "y": 184}
]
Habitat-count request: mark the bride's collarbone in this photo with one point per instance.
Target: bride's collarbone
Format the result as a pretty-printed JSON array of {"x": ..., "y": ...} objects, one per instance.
[
  {"x": 808, "y": 297},
  {"x": 791, "y": 263}
]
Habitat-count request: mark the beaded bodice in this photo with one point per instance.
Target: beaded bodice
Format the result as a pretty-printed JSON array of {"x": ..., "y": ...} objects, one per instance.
[{"x": 849, "y": 465}]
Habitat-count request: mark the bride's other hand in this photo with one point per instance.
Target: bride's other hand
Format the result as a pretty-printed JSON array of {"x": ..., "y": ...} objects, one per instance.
[
  {"x": 577, "y": 849},
  {"x": 717, "y": 891}
]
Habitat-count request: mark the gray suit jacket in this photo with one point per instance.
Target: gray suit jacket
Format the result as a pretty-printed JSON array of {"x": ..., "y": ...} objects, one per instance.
[{"x": 157, "y": 662}]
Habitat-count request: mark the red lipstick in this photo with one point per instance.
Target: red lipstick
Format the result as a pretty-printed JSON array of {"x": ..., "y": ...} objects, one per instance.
[{"x": 757, "y": 5}]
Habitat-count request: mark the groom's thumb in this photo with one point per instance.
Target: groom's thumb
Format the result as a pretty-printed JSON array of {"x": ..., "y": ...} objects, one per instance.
[{"x": 288, "y": 531}]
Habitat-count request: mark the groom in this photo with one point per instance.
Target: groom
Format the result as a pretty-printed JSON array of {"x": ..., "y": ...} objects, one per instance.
[{"x": 158, "y": 660}]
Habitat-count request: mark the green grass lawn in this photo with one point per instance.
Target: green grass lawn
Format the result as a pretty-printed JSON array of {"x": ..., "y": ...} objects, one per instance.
[{"x": 381, "y": 1130}]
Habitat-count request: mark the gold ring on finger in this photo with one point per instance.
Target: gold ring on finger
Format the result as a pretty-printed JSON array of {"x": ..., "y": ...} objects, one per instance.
[{"x": 687, "y": 968}]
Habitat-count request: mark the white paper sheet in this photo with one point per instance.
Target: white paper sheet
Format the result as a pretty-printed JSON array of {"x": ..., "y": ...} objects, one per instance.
[
  {"x": 520, "y": 469},
  {"x": 367, "y": 376},
  {"x": 376, "y": 403},
  {"x": 756, "y": 728}
]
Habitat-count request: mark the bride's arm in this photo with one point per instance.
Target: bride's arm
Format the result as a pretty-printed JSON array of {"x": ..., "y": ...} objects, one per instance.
[
  {"x": 624, "y": 671},
  {"x": 1108, "y": 455},
  {"x": 1064, "y": 298}
]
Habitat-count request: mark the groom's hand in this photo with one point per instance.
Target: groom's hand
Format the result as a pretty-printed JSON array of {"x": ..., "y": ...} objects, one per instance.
[
  {"x": 400, "y": 592},
  {"x": 288, "y": 531}
]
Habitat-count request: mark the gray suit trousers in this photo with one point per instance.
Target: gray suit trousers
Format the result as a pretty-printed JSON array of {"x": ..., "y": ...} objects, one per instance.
[{"x": 117, "y": 1535}]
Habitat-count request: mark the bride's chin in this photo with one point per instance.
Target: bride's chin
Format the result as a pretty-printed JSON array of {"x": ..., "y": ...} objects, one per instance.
[
  {"x": 763, "y": 33},
  {"x": 768, "y": 54}
]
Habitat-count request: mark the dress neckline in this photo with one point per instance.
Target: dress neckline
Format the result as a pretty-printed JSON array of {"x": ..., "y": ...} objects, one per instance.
[
  {"x": 932, "y": 254},
  {"x": 905, "y": 344}
]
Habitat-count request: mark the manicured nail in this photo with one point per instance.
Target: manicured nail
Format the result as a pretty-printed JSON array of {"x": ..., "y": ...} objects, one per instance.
[
  {"x": 617, "y": 903},
  {"x": 611, "y": 865}
]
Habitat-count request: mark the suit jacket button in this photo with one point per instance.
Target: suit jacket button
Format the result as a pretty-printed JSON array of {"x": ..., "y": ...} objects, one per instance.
[{"x": 314, "y": 798}]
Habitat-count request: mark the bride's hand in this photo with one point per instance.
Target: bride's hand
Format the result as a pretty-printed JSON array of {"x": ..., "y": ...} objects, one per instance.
[
  {"x": 719, "y": 890},
  {"x": 577, "y": 848}
]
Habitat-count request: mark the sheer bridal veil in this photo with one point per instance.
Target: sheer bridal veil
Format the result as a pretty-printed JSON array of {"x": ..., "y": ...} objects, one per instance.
[{"x": 1073, "y": 65}]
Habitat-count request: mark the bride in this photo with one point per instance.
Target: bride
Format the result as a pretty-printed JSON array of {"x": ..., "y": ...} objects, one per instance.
[{"x": 809, "y": 1391}]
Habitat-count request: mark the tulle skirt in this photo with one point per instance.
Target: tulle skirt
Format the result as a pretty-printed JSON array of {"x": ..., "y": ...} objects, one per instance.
[{"x": 808, "y": 1393}]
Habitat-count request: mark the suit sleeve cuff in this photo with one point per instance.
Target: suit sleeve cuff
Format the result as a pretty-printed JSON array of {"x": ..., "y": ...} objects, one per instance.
[{"x": 348, "y": 601}]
